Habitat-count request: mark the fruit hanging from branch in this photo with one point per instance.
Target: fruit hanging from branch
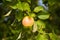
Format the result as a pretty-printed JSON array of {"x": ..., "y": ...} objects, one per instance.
[{"x": 27, "y": 21}]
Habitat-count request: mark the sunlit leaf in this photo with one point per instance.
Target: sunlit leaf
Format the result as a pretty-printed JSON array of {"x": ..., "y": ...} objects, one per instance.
[
  {"x": 7, "y": 14},
  {"x": 26, "y": 6},
  {"x": 14, "y": 7},
  {"x": 53, "y": 36},
  {"x": 40, "y": 25},
  {"x": 38, "y": 8},
  {"x": 44, "y": 16},
  {"x": 32, "y": 14},
  {"x": 34, "y": 27},
  {"x": 29, "y": 1},
  {"x": 17, "y": 6}
]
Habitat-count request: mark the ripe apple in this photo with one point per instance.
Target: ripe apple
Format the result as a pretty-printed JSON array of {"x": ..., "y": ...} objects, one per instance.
[{"x": 27, "y": 21}]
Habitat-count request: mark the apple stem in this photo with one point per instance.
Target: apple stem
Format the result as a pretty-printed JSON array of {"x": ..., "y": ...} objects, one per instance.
[{"x": 28, "y": 13}]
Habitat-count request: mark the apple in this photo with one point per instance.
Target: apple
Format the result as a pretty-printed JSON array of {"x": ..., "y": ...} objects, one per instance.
[{"x": 27, "y": 21}]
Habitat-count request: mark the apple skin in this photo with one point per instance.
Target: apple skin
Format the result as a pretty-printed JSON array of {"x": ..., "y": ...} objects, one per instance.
[{"x": 27, "y": 21}]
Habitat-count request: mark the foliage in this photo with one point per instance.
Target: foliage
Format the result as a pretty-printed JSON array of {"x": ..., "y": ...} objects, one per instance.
[{"x": 46, "y": 22}]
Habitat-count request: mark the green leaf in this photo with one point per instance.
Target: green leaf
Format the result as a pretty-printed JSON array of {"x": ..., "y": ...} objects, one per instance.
[
  {"x": 41, "y": 37},
  {"x": 34, "y": 27},
  {"x": 19, "y": 15},
  {"x": 14, "y": 6},
  {"x": 53, "y": 36},
  {"x": 38, "y": 8},
  {"x": 9, "y": 0},
  {"x": 29, "y": 1},
  {"x": 40, "y": 25},
  {"x": 17, "y": 6},
  {"x": 32, "y": 15},
  {"x": 26, "y": 6},
  {"x": 44, "y": 16},
  {"x": 7, "y": 14}
]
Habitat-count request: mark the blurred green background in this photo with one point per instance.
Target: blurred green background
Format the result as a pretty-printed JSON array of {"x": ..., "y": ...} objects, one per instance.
[{"x": 46, "y": 14}]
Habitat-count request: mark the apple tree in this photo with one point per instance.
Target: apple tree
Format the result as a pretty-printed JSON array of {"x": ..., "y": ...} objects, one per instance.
[{"x": 29, "y": 20}]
